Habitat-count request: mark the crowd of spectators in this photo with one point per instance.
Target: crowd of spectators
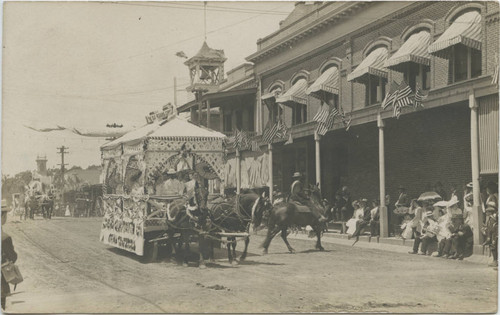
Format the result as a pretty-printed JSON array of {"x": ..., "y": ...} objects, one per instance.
[{"x": 441, "y": 224}]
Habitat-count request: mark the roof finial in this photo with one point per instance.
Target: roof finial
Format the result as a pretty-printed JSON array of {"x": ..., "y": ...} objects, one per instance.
[{"x": 205, "y": 18}]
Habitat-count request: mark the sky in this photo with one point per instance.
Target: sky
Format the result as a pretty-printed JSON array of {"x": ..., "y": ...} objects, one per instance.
[{"x": 88, "y": 64}]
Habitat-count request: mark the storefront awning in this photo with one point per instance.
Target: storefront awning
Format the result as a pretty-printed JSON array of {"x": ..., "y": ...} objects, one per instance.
[
  {"x": 465, "y": 30},
  {"x": 373, "y": 64},
  {"x": 328, "y": 82},
  {"x": 297, "y": 93},
  {"x": 413, "y": 50}
]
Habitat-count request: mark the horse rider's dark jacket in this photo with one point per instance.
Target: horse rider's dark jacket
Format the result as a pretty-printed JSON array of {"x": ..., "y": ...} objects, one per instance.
[
  {"x": 8, "y": 254},
  {"x": 297, "y": 192}
]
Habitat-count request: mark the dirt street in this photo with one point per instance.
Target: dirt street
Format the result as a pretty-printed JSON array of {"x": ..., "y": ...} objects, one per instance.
[{"x": 67, "y": 269}]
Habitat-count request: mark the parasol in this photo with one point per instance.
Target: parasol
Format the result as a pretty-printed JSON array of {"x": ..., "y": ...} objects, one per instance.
[
  {"x": 428, "y": 196},
  {"x": 205, "y": 171}
]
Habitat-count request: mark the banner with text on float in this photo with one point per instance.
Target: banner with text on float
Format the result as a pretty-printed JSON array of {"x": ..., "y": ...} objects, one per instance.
[{"x": 123, "y": 223}]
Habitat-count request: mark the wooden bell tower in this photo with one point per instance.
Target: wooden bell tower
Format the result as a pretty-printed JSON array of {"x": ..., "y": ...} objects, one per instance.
[{"x": 206, "y": 71}]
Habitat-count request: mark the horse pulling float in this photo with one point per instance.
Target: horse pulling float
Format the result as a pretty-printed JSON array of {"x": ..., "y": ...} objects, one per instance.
[{"x": 137, "y": 218}]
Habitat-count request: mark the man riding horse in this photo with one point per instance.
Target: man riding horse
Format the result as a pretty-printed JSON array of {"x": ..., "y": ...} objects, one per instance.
[{"x": 298, "y": 195}]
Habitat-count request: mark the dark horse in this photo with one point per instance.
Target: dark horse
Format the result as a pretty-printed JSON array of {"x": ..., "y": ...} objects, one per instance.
[
  {"x": 185, "y": 223},
  {"x": 286, "y": 214},
  {"x": 237, "y": 216},
  {"x": 47, "y": 205}
]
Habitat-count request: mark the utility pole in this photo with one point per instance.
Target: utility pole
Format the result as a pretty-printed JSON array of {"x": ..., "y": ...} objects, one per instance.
[{"x": 62, "y": 151}]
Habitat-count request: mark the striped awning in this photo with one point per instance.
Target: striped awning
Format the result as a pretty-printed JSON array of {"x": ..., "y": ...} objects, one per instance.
[
  {"x": 413, "y": 50},
  {"x": 297, "y": 93},
  {"x": 328, "y": 82},
  {"x": 465, "y": 30},
  {"x": 373, "y": 64},
  {"x": 273, "y": 94}
]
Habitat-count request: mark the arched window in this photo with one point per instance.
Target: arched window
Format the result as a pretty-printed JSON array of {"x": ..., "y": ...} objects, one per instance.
[
  {"x": 269, "y": 99},
  {"x": 412, "y": 58},
  {"x": 372, "y": 72},
  {"x": 461, "y": 43},
  {"x": 296, "y": 98},
  {"x": 326, "y": 86}
]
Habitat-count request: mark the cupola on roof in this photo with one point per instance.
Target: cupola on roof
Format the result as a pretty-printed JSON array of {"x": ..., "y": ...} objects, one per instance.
[{"x": 207, "y": 54}]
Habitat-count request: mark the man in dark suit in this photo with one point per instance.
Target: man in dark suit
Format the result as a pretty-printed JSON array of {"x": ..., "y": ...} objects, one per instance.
[{"x": 8, "y": 253}]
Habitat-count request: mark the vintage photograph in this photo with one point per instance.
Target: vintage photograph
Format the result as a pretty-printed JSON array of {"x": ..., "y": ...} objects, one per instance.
[{"x": 250, "y": 157}]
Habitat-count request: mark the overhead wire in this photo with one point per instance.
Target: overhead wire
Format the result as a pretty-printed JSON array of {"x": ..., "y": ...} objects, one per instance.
[
  {"x": 178, "y": 42},
  {"x": 171, "y": 5}
]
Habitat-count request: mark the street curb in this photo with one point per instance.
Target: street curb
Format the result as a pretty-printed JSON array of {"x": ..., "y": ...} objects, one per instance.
[{"x": 391, "y": 245}]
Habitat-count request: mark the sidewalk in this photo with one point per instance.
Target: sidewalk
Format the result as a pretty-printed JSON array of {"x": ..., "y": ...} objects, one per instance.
[{"x": 391, "y": 244}]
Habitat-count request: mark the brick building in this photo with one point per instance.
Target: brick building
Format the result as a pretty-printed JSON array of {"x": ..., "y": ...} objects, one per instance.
[{"x": 350, "y": 53}]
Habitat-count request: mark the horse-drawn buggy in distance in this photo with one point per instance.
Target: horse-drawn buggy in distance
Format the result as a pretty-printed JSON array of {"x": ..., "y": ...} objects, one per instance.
[
  {"x": 160, "y": 181},
  {"x": 38, "y": 200}
]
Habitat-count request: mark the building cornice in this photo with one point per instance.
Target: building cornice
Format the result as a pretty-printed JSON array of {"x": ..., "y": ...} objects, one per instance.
[
  {"x": 341, "y": 40},
  {"x": 307, "y": 31}
]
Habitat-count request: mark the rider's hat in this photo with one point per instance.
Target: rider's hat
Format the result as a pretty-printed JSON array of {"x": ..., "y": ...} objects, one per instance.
[
  {"x": 4, "y": 206},
  {"x": 296, "y": 175}
]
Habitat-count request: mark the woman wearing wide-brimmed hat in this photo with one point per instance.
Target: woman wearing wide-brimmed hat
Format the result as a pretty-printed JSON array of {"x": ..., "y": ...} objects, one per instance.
[{"x": 8, "y": 253}]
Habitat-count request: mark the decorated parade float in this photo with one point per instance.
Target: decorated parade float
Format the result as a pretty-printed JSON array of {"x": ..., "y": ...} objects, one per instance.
[{"x": 134, "y": 167}]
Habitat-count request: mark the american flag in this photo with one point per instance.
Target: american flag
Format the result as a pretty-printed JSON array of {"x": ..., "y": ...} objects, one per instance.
[
  {"x": 419, "y": 97},
  {"x": 282, "y": 130},
  {"x": 347, "y": 123},
  {"x": 269, "y": 133},
  {"x": 323, "y": 128},
  {"x": 238, "y": 139},
  {"x": 322, "y": 114},
  {"x": 391, "y": 96},
  {"x": 402, "y": 99}
]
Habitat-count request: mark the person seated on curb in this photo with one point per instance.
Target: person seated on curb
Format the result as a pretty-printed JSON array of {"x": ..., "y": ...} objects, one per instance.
[
  {"x": 461, "y": 236},
  {"x": 363, "y": 216},
  {"x": 427, "y": 236},
  {"x": 429, "y": 232},
  {"x": 413, "y": 229},
  {"x": 352, "y": 223},
  {"x": 375, "y": 219},
  {"x": 492, "y": 231},
  {"x": 444, "y": 234}
]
